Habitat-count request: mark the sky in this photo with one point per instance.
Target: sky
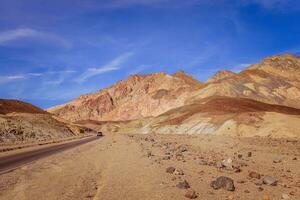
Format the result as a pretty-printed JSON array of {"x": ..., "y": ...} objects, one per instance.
[{"x": 54, "y": 51}]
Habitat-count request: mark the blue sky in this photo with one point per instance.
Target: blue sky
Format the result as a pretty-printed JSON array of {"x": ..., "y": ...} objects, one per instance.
[{"x": 53, "y": 51}]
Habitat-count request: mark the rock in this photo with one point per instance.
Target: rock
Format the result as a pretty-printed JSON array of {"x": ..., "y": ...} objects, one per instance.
[
  {"x": 260, "y": 188},
  {"x": 285, "y": 197},
  {"x": 295, "y": 158},
  {"x": 223, "y": 182},
  {"x": 227, "y": 164},
  {"x": 268, "y": 180},
  {"x": 191, "y": 194},
  {"x": 253, "y": 174},
  {"x": 219, "y": 164},
  {"x": 166, "y": 157},
  {"x": 183, "y": 185},
  {"x": 149, "y": 154},
  {"x": 230, "y": 197},
  {"x": 182, "y": 149},
  {"x": 240, "y": 156},
  {"x": 277, "y": 160},
  {"x": 170, "y": 170},
  {"x": 249, "y": 154},
  {"x": 246, "y": 191},
  {"x": 266, "y": 197},
  {"x": 178, "y": 172}
]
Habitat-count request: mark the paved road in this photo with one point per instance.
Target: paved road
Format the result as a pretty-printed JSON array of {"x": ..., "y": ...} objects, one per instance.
[{"x": 11, "y": 162}]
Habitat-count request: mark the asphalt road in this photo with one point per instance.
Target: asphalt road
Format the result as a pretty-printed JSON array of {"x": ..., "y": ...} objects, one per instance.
[{"x": 11, "y": 162}]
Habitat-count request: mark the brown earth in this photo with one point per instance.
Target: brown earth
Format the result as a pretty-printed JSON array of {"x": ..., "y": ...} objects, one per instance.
[
  {"x": 9, "y": 106},
  {"x": 134, "y": 167},
  {"x": 22, "y": 124}
]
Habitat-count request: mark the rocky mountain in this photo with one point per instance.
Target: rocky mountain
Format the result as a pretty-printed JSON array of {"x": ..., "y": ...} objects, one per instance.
[
  {"x": 136, "y": 97},
  {"x": 274, "y": 80}
]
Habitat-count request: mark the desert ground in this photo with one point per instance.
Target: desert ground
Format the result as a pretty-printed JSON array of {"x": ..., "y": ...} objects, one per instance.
[{"x": 126, "y": 166}]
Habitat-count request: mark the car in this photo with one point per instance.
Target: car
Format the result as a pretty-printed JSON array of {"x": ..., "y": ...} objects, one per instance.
[{"x": 99, "y": 134}]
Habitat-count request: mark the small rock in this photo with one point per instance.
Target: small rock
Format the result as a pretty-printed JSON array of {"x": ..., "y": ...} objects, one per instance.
[
  {"x": 170, "y": 170},
  {"x": 250, "y": 154},
  {"x": 183, "y": 185},
  {"x": 223, "y": 182},
  {"x": 247, "y": 191},
  {"x": 191, "y": 194},
  {"x": 219, "y": 164},
  {"x": 253, "y": 174},
  {"x": 285, "y": 197},
  {"x": 230, "y": 197},
  {"x": 149, "y": 154},
  {"x": 295, "y": 158},
  {"x": 227, "y": 163},
  {"x": 277, "y": 160},
  {"x": 166, "y": 157},
  {"x": 178, "y": 172},
  {"x": 266, "y": 197},
  {"x": 240, "y": 156},
  {"x": 260, "y": 188},
  {"x": 268, "y": 180}
]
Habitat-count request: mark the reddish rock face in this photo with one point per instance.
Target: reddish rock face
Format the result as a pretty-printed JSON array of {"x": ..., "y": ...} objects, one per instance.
[
  {"x": 136, "y": 97},
  {"x": 275, "y": 80}
]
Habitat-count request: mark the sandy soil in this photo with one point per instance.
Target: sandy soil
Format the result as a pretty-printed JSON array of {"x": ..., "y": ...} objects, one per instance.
[{"x": 134, "y": 167}]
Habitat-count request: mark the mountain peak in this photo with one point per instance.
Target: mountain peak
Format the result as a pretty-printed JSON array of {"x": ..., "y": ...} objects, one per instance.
[
  {"x": 220, "y": 75},
  {"x": 186, "y": 78}
]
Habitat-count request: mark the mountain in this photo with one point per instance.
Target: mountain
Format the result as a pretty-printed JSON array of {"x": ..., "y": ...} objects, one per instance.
[
  {"x": 274, "y": 80},
  {"x": 262, "y": 100},
  {"x": 136, "y": 97}
]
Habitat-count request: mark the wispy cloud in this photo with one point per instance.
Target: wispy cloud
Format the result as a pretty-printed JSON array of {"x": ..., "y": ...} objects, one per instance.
[
  {"x": 111, "y": 66},
  {"x": 10, "y": 36},
  {"x": 10, "y": 78},
  {"x": 54, "y": 77}
]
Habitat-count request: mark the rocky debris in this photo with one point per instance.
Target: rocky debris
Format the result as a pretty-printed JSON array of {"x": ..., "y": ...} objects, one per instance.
[
  {"x": 170, "y": 170},
  {"x": 191, "y": 194},
  {"x": 183, "y": 185},
  {"x": 253, "y": 174},
  {"x": 268, "y": 180},
  {"x": 223, "y": 182}
]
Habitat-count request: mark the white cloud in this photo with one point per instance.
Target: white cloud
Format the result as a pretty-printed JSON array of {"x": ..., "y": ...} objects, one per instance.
[
  {"x": 10, "y": 36},
  {"x": 6, "y": 79},
  {"x": 112, "y": 66}
]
